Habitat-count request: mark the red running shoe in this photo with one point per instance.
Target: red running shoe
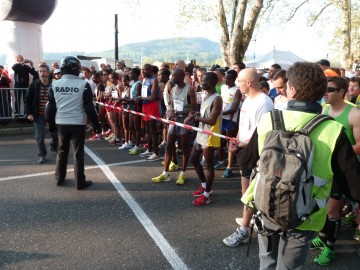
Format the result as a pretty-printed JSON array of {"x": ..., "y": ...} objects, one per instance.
[
  {"x": 107, "y": 134},
  {"x": 201, "y": 201},
  {"x": 199, "y": 192},
  {"x": 96, "y": 137}
]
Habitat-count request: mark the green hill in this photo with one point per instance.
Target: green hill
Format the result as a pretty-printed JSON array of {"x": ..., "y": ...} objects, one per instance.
[
  {"x": 205, "y": 52},
  {"x": 169, "y": 50}
]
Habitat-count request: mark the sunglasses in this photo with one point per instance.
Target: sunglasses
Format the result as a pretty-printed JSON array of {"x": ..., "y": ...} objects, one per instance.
[{"x": 332, "y": 89}]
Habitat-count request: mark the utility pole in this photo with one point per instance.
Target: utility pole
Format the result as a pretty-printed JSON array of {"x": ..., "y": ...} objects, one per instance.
[{"x": 116, "y": 40}]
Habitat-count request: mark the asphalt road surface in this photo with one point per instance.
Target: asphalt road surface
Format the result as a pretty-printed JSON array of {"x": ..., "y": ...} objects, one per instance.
[{"x": 123, "y": 221}]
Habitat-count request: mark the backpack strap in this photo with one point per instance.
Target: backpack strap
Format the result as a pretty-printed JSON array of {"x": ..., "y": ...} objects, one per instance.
[
  {"x": 313, "y": 123},
  {"x": 277, "y": 120}
]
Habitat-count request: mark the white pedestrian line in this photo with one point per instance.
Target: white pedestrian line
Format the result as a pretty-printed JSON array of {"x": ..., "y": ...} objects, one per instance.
[
  {"x": 169, "y": 253},
  {"x": 69, "y": 170}
]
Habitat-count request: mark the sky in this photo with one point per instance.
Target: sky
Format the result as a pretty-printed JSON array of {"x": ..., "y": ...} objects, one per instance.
[{"x": 88, "y": 26}]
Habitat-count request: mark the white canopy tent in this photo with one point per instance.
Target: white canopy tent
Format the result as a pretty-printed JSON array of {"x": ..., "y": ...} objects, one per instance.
[{"x": 284, "y": 58}]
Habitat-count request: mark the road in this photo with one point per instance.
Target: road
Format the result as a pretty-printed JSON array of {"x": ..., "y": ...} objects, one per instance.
[{"x": 123, "y": 221}]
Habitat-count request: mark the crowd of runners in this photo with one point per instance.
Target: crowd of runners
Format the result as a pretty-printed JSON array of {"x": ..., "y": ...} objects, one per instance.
[{"x": 142, "y": 111}]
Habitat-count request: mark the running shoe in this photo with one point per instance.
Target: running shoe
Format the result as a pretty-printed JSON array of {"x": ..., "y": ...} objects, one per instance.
[
  {"x": 110, "y": 137},
  {"x": 162, "y": 145},
  {"x": 349, "y": 220},
  {"x": 325, "y": 257},
  {"x": 200, "y": 191},
  {"x": 181, "y": 179},
  {"x": 108, "y": 133},
  {"x": 178, "y": 152},
  {"x": 173, "y": 167},
  {"x": 238, "y": 220},
  {"x": 220, "y": 165},
  {"x": 237, "y": 238},
  {"x": 90, "y": 130},
  {"x": 201, "y": 201},
  {"x": 114, "y": 141},
  {"x": 153, "y": 157},
  {"x": 146, "y": 153},
  {"x": 317, "y": 243},
  {"x": 125, "y": 146},
  {"x": 41, "y": 160},
  {"x": 161, "y": 178},
  {"x": 134, "y": 151},
  {"x": 96, "y": 137},
  {"x": 357, "y": 235},
  {"x": 227, "y": 173}
]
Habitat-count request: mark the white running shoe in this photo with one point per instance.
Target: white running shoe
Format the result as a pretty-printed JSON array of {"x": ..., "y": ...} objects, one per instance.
[
  {"x": 146, "y": 153},
  {"x": 125, "y": 146},
  {"x": 153, "y": 157},
  {"x": 237, "y": 238}
]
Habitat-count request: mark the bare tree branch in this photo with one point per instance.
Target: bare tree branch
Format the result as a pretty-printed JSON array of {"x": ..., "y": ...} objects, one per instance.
[
  {"x": 239, "y": 22},
  {"x": 234, "y": 8},
  {"x": 225, "y": 37},
  {"x": 250, "y": 26},
  {"x": 320, "y": 12},
  {"x": 296, "y": 9}
]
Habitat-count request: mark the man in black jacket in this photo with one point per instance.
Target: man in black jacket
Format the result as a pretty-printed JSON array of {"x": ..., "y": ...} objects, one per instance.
[
  {"x": 22, "y": 69},
  {"x": 70, "y": 103},
  {"x": 35, "y": 101}
]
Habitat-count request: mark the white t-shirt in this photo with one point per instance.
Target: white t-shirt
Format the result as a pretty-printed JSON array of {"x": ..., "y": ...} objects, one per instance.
[
  {"x": 250, "y": 114},
  {"x": 228, "y": 95}
]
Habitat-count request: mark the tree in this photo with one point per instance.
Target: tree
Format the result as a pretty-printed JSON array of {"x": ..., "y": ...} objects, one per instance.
[
  {"x": 349, "y": 13},
  {"x": 236, "y": 20},
  {"x": 236, "y": 35}
]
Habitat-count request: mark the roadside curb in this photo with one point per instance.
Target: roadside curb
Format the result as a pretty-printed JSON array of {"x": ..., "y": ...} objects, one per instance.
[{"x": 16, "y": 131}]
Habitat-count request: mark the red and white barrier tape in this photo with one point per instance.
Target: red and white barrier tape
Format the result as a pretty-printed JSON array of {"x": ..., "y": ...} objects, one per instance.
[{"x": 171, "y": 122}]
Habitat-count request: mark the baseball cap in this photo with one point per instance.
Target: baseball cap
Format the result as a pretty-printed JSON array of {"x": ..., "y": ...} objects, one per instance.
[
  {"x": 57, "y": 71},
  {"x": 324, "y": 62},
  {"x": 330, "y": 73}
]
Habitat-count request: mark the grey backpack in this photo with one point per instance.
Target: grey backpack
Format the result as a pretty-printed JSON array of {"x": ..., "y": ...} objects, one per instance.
[{"x": 283, "y": 196}]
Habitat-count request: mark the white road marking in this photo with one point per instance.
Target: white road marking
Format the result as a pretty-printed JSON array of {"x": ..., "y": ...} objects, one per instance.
[
  {"x": 69, "y": 170},
  {"x": 169, "y": 253}
]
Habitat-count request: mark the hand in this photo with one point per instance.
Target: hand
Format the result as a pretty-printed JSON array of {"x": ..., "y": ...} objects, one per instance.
[
  {"x": 233, "y": 146},
  {"x": 30, "y": 117}
]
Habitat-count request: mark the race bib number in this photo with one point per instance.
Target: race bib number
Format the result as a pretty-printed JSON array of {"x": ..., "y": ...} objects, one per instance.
[
  {"x": 115, "y": 94},
  {"x": 178, "y": 105},
  {"x": 200, "y": 96}
]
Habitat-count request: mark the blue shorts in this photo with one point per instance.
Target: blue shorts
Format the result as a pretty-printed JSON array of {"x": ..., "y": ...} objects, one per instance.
[{"x": 228, "y": 125}]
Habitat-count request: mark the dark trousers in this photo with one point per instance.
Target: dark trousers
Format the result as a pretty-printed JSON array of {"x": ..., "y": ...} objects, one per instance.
[
  {"x": 5, "y": 101},
  {"x": 18, "y": 93},
  {"x": 76, "y": 135},
  {"x": 39, "y": 125}
]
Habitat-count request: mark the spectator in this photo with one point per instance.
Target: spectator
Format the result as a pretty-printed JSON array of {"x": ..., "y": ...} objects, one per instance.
[
  {"x": 35, "y": 101},
  {"x": 5, "y": 98},
  {"x": 22, "y": 69}
]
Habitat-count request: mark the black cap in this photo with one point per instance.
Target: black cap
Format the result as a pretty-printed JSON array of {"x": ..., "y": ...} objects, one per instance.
[{"x": 324, "y": 62}]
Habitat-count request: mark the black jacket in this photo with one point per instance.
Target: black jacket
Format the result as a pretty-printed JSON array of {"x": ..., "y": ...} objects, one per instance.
[
  {"x": 32, "y": 98},
  {"x": 21, "y": 75}
]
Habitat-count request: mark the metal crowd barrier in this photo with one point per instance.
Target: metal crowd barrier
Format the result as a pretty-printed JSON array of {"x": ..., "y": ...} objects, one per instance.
[{"x": 12, "y": 103}]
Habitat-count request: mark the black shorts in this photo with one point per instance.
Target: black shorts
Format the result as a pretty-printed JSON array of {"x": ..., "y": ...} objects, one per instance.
[
  {"x": 336, "y": 192},
  {"x": 245, "y": 172}
]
